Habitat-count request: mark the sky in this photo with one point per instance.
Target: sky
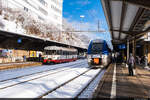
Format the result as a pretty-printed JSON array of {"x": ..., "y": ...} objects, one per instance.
[{"x": 93, "y": 12}]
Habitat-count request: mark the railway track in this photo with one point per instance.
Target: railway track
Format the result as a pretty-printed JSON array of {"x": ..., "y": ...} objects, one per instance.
[
  {"x": 61, "y": 70},
  {"x": 39, "y": 72},
  {"x": 69, "y": 81},
  {"x": 41, "y": 96},
  {"x": 78, "y": 95}
]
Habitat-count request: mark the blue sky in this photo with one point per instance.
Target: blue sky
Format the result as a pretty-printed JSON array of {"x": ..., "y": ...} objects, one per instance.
[{"x": 92, "y": 10}]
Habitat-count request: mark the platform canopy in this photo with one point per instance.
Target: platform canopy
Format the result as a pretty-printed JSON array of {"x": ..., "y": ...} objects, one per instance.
[
  {"x": 127, "y": 19},
  {"x": 9, "y": 40}
]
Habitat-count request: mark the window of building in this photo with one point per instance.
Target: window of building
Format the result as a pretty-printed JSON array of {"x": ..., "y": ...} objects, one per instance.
[
  {"x": 57, "y": 2},
  {"x": 43, "y": 11},
  {"x": 56, "y": 9},
  {"x": 43, "y": 2},
  {"x": 26, "y": 9}
]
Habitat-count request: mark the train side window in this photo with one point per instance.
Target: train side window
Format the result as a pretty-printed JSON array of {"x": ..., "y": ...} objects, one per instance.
[
  {"x": 63, "y": 52},
  {"x": 60, "y": 52},
  {"x": 53, "y": 52},
  {"x": 57, "y": 52}
]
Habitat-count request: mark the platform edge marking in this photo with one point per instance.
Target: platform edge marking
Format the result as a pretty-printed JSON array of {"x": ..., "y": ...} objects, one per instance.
[{"x": 113, "y": 88}]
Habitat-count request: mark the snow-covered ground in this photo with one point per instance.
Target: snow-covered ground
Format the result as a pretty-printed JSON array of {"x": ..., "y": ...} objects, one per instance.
[
  {"x": 23, "y": 79},
  {"x": 35, "y": 85},
  {"x": 13, "y": 73},
  {"x": 72, "y": 89},
  {"x": 88, "y": 93}
]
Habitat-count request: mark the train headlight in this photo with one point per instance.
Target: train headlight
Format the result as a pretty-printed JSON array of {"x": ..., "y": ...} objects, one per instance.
[{"x": 89, "y": 57}]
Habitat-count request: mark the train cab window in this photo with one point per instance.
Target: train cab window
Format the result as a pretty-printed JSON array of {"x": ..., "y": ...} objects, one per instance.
[{"x": 96, "y": 48}]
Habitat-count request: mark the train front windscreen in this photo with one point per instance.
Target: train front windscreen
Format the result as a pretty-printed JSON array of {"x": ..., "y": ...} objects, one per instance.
[{"x": 96, "y": 48}]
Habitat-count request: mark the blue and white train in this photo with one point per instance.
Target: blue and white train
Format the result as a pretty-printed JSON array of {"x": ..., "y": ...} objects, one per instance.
[{"x": 99, "y": 53}]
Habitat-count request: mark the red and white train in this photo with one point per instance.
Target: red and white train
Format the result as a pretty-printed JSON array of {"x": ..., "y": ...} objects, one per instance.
[{"x": 54, "y": 54}]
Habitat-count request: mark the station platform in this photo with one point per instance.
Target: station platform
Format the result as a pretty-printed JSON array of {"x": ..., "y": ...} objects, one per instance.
[
  {"x": 118, "y": 84},
  {"x": 5, "y": 66}
]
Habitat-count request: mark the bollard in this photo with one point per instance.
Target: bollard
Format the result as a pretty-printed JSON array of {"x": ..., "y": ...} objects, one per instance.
[{"x": 127, "y": 65}]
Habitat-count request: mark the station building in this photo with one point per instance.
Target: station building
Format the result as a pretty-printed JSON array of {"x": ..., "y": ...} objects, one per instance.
[{"x": 143, "y": 46}]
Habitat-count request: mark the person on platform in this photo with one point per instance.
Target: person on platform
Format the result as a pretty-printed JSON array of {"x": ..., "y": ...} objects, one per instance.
[
  {"x": 40, "y": 56},
  {"x": 131, "y": 63},
  {"x": 24, "y": 58}
]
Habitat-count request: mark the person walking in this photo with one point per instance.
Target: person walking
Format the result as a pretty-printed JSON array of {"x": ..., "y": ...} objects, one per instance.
[{"x": 131, "y": 63}]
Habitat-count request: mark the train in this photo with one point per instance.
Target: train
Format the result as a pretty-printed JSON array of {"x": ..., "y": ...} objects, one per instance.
[
  {"x": 99, "y": 53},
  {"x": 55, "y": 54}
]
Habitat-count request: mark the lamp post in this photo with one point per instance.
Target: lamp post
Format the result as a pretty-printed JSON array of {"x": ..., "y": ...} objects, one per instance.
[{"x": 81, "y": 16}]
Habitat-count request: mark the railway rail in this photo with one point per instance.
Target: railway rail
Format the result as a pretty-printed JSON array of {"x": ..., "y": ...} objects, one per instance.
[
  {"x": 71, "y": 80},
  {"x": 41, "y": 96},
  {"x": 61, "y": 70},
  {"x": 88, "y": 84},
  {"x": 77, "y": 77},
  {"x": 38, "y": 72}
]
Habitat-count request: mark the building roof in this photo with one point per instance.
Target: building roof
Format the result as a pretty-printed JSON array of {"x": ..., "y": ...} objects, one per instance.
[
  {"x": 126, "y": 18},
  {"x": 60, "y": 48}
]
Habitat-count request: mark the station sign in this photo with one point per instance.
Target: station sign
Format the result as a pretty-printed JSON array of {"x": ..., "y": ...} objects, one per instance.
[
  {"x": 122, "y": 46},
  {"x": 19, "y": 40}
]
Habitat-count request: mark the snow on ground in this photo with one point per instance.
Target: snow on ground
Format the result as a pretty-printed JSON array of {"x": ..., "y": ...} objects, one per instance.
[
  {"x": 72, "y": 89},
  {"x": 88, "y": 93},
  {"x": 12, "y": 73},
  {"x": 35, "y": 88},
  {"x": 37, "y": 75}
]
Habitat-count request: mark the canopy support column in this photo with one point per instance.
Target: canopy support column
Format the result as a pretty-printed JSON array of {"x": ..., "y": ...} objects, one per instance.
[
  {"x": 127, "y": 53},
  {"x": 134, "y": 53}
]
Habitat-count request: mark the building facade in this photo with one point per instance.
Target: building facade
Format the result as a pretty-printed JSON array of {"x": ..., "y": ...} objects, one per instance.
[
  {"x": 49, "y": 11},
  {"x": 44, "y": 10}
]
